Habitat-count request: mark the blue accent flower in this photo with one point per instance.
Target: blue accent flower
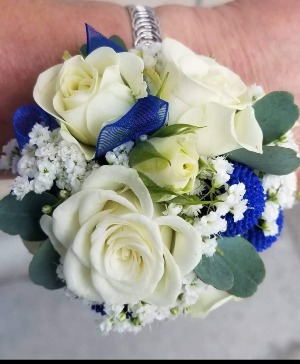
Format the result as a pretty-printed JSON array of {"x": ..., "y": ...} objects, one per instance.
[
  {"x": 256, "y": 200},
  {"x": 99, "y": 309},
  {"x": 258, "y": 239}
]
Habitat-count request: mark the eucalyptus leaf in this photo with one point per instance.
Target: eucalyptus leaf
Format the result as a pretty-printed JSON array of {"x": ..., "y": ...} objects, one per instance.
[
  {"x": 119, "y": 42},
  {"x": 245, "y": 264},
  {"x": 274, "y": 160},
  {"x": 83, "y": 50},
  {"x": 276, "y": 113},
  {"x": 22, "y": 217},
  {"x": 215, "y": 272},
  {"x": 143, "y": 152},
  {"x": 42, "y": 269},
  {"x": 33, "y": 246},
  {"x": 176, "y": 129}
]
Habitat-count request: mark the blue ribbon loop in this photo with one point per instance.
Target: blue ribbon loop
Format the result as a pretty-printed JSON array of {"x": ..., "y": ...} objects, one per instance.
[
  {"x": 147, "y": 115},
  {"x": 26, "y": 117},
  {"x": 96, "y": 40}
]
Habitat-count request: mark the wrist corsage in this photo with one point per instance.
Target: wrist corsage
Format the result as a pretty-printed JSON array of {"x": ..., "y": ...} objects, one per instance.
[{"x": 149, "y": 180}]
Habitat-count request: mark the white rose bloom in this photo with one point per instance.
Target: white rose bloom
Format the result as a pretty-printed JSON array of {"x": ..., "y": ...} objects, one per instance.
[
  {"x": 85, "y": 94},
  {"x": 114, "y": 248},
  {"x": 201, "y": 92}
]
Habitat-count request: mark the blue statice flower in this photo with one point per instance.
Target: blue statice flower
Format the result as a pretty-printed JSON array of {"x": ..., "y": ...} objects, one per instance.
[
  {"x": 261, "y": 241},
  {"x": 99, "y": 308},
  {"x": 254, "y": 195}
]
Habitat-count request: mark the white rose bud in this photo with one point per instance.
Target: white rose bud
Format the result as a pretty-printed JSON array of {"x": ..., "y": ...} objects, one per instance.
[{"x": 179, "y": 169}]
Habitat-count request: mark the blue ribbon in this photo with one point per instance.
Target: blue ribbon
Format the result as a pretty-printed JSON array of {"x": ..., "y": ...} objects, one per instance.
[
  {"x": 26, "y": 117},
  {"x": 147, "y": 115},
  {"x": 96, "y": 40}
]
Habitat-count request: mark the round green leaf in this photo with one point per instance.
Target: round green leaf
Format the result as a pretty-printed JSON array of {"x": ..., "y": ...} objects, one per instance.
[
  {"x": 215, "y": 272},
  {"x": 42, "y": 269},
  {"x": 245, "y": 264},
  {"x": 276, "y": 113},
  {"x": 274, "y": 160},
  {"x": 23, "y": 217}
]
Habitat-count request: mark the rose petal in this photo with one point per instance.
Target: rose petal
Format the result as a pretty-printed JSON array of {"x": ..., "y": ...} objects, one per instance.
[
  {"x": 169, "y": 287},
  {"x": 87, "y": 150},
  {"x": 247, "y": 131},
  {"x": 97, "y": 200},
  {"x": 111, "y": 76},
  {"x": 45, "y": 89},
  {"x": 81, "y": 207},
  {"x": 173, "y": 50},
  {"x": 78, "y": 278},
  {"x": 101, "y": 58},
  {"x": 75, "y": 123},
  {"x": 210, "y": 299},
  {"x": 46, "y": 223},
  {"x": 115, "y": 178},
  {"x": 187, "y": 243},
  {"x": 144, "y": 238},
  {"x": 82, "y": 242},
  {"x": 106, "y": 108},
  {"x": 215, "y": 137},
  {"x": 131, "y": 69}
]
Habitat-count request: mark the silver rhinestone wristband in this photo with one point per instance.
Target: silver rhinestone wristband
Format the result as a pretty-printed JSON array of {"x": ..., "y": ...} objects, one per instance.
[{"x": 145, "y": 25}]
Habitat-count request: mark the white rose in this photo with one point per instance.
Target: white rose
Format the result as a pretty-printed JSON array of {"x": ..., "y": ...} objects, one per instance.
[
  {"x": 223, "y": 130},
  {"x": 180, "y": 168},
  {"x": 85, "y": 94},
  {"x": 114, "y": 249},
  {"x": 202, "y": 92}
]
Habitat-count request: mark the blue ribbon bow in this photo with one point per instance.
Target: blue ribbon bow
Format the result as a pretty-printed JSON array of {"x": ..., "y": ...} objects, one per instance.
[{"x": 147, "y": 115}]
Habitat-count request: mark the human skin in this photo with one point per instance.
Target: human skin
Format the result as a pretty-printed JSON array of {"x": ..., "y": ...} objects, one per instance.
[{"x": 258, "y": 39}]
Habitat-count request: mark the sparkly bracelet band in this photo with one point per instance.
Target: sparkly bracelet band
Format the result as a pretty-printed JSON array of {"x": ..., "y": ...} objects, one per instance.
[{"x": 145, "y": 25}]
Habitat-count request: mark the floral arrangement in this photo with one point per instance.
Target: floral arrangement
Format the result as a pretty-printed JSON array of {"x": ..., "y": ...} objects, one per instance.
[{"x": 149, "y": 180}]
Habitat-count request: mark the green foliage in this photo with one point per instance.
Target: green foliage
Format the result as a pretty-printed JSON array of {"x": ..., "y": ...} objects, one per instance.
[
  {"x": 187, "y": 200},
  {"x": 158, "y": 194},
  {"x": 274, "y": 160},
  {"x": 42, "y": 269},
  {"x": 236, "y": 267},
  {"x": 143, "y": 152},
  {"x": 23, "y": 217},
  {"x": 119, "y": 42},
  {"x": 83, "y": 50},
  {"x": 215, "y": 272},
  {"x": 177, "y": 129},
  {"x": 276, "y": 113}
]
